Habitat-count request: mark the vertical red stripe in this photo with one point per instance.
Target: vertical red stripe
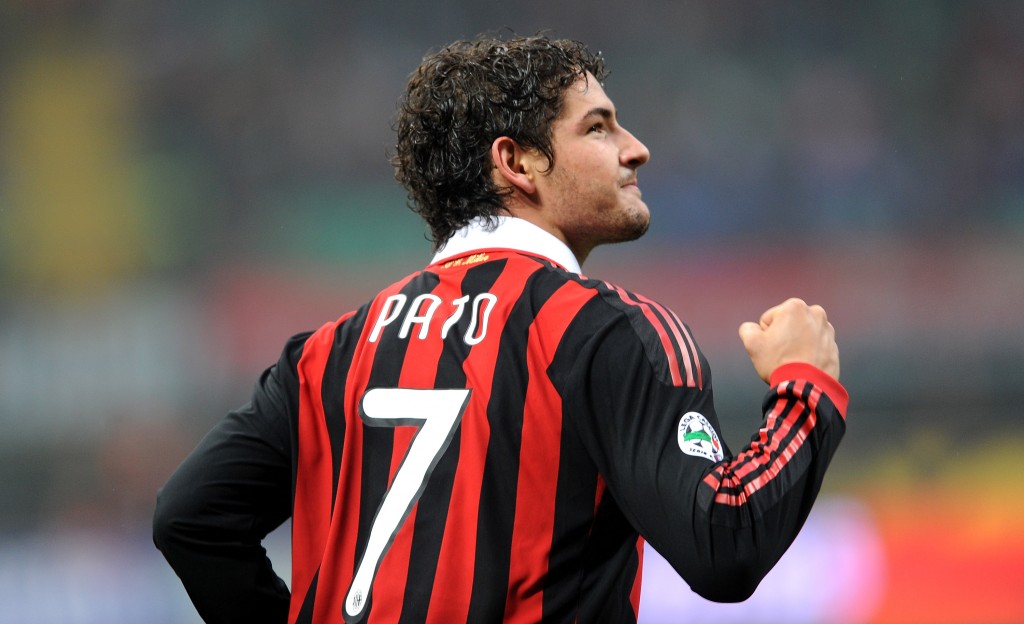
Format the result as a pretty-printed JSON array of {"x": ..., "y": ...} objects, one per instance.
[
  {"x": 453, "y": 581},
  {"x": 634, "y": 594},
  {"x": 389, "y": 585},
  {"x": 686, "y": 343},
  {"x": 677, "y": 329},
  {"x": 314, "y": 470},
  {"x": 599, "y": 493},
  {"x": 541, "y": 442},
  {"x": 693, "y": 349},
  {"x": 418, "y": 371},
  {"x": 337, "y": 564},
  {"x": 680, "y": 342}
]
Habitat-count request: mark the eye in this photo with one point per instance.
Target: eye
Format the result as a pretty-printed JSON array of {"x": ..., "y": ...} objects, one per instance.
[{"x": 598, "y": 127}]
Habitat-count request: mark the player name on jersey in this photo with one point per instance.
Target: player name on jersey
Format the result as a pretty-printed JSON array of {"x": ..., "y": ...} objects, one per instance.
[{"x": 422, "y": 311}]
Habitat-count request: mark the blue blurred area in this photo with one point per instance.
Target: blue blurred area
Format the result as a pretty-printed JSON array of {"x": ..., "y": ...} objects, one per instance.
[{"x": 183, "y": 185}]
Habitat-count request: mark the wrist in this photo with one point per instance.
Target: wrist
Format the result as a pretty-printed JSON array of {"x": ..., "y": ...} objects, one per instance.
[{"x": 808, "y": 372}]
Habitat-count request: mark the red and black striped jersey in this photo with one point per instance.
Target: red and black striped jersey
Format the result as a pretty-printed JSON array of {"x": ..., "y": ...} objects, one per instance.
[{"x": 490, "y": 439}]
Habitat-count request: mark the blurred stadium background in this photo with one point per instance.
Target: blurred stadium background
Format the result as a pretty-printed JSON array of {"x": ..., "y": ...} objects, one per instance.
[{"x": 185, "y": 184}]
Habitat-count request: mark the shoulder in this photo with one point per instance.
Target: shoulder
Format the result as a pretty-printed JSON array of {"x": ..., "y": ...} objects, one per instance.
[{"x": 630, "y": 317}]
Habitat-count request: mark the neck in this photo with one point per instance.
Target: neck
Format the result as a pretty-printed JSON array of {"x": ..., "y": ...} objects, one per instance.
[{"x": 533, "y": 214}]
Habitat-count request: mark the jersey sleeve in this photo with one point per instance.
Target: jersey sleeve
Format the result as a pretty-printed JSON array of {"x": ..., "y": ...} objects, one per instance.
[
  {"x": 721, "y": 519},
  {"x": 228, "y": 494}
]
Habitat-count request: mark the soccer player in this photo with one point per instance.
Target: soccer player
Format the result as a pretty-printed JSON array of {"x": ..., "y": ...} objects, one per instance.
[{"x": 493, "y": 437}]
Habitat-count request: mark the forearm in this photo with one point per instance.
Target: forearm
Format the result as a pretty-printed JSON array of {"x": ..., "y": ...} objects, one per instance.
[
  {"x": 721, "y": 520},
  {"x": 227, "y": 582},
  {"x": 211, "y": 517},
  {"x": 751, "y": 507}
]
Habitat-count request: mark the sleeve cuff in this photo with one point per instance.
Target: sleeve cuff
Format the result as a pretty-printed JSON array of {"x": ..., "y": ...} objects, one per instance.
[{"x": 828, "y": 384}]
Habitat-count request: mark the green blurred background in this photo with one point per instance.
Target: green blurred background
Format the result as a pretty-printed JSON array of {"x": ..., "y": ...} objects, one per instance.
[{"x": 183, "y": 185}]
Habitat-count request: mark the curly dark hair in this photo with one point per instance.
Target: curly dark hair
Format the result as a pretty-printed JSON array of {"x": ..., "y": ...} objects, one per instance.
[{"x": 462, "y": 98}]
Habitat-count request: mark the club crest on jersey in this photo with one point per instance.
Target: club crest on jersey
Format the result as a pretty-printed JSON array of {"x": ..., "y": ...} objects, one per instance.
[{"x": 698, "y": 438}]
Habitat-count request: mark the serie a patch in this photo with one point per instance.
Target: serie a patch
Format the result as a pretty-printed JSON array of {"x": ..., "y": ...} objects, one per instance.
[{"x": 698, "y": 438}]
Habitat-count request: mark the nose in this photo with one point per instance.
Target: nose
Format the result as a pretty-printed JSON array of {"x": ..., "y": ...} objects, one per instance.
[{"x": 633, "y": 153}]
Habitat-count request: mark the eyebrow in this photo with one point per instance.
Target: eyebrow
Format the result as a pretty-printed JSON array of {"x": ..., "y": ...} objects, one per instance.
[{"x": 599, "y": 111}]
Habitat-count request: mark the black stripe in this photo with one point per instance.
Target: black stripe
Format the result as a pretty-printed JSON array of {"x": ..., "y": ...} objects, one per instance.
[
  {"x": 501, "y": 466},
  {"x": 295, "y": 349},
  {"x": 611, "y": 564},
  {"x": 574, "y": 504},
  {"x": 332, "y": 391},
  {"x": 306, "y": 612},
  {"x": 378, "y": 442},
  {"x": 432, "y": 513},
  {"x": 576, "y": 490}
]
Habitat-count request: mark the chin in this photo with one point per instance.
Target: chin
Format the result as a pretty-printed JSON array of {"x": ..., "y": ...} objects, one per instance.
[
  {"x": 632, "y": 227},
  {"x": 638, "y": 231},
  {"x": 642, "y": 228},
  {"x": 640, "y": 221}
]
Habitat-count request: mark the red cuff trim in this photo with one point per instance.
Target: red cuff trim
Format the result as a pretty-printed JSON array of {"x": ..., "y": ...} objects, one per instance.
[{"x": 828, "y": 384}]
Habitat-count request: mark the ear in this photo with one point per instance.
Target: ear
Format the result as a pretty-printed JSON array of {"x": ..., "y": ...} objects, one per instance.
[{"x": 517, "y": 167}]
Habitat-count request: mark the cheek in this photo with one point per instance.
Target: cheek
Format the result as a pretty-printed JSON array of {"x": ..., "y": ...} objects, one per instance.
[
  {"x": 595, "y": 155},
  {"x": 605, "y": 154},
  {"x": 599, "y": 169}
]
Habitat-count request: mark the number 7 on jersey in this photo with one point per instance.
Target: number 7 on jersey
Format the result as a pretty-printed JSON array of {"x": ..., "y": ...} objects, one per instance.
[{"x": 438, "y": 414}]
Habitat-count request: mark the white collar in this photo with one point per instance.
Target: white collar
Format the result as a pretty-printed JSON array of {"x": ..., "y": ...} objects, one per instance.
[{"x": 508, "y": 233}]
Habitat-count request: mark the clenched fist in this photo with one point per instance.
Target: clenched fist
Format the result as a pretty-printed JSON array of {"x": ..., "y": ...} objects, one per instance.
[{"x": 791, "y": 332}]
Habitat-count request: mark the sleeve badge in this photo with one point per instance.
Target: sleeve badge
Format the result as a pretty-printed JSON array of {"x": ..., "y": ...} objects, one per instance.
[{"x": 698, "y": 438}]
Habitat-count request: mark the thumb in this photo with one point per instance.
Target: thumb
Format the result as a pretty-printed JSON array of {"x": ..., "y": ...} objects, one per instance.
[{"x": 750, "y": 334}]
